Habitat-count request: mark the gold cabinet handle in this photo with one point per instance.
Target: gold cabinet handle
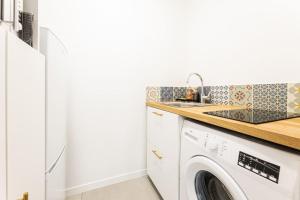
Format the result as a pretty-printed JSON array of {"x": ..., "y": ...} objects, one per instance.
[
  {"x": 158, "y": 114},
  {"x": 157, "y": 154},
  {"x": 25, "y": 196}
]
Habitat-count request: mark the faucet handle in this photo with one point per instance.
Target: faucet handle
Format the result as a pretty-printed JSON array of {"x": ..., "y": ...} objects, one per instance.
[
  {"x": 209, "y": 94},
  {"x": 206, "y": 98}
]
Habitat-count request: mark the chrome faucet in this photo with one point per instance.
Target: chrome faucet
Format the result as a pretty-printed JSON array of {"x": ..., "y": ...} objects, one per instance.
[{"x": 203, "y": 98}]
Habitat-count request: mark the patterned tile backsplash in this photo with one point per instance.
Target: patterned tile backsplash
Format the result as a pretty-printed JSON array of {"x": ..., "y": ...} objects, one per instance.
[
  {"x": 293, "y": 98},
  {"x": 153, "y": 94},
  {"x": 220, "y": 95},
  {"x": 166, "y": 94},
  {"x": 241, "y": 95},
  {"x": 270, "y": 97},
  {"x": 179, "y": 92},
  {"x": 277, "y": 97}
]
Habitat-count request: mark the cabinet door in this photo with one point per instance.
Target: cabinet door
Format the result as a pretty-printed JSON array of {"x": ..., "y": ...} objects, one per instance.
[
  {"x": 2, "y": 116},
  {"x": 25, "y": 121},
  {"x": 163, "y": 152}
]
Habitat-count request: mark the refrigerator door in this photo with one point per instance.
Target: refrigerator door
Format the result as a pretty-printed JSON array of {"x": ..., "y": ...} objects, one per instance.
[
  {"x": 56, "y": 55},
  {"x": 55, "y": 184},
  {"x": 56, "y": 64}
]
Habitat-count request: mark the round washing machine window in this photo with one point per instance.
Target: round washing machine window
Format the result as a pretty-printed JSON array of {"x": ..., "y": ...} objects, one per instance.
[
  {"x": 206, "y": 180},
  {"x": 208, "y": 186}
]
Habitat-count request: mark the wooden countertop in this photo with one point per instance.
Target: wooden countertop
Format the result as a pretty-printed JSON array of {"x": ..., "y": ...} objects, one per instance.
[{"x": 284, "y": 132}]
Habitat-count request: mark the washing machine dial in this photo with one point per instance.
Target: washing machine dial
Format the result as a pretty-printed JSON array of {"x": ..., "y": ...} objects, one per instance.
[{"x": 212, "y": 145}]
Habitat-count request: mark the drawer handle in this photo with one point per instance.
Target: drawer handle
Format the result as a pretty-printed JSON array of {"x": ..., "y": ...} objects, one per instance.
[
  {"x": 25, "y": 196},
  {"x": 157, "y": 154},
  {"x": 158, "y": 114}
]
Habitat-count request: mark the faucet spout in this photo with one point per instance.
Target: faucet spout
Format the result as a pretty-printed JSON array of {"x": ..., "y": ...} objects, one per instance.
[{"x": 202, "y": 98}]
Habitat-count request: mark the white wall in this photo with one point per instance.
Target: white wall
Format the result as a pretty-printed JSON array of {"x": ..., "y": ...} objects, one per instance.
[
  {"x": 238, "y": 41},
  {"x": 117, "y": 48}
]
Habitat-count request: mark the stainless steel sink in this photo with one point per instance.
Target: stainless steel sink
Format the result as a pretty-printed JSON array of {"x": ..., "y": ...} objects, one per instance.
[{"x": 186, "y": 104}]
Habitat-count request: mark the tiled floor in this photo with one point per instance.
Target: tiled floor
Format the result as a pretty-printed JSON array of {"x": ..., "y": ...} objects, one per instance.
[{"x": 137, "y": 189}]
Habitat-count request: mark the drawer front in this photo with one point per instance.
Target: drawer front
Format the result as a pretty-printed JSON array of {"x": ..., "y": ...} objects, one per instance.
[
  {"x": 163, "y": 170},
  {"x": 161, "y": 126},
  {"x": 155, "y": 123},
  {"x": 154, "y": 164}
]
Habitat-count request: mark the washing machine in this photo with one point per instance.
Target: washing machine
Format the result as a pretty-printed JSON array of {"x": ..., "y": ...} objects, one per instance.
[{"x": 218, "y": 164}]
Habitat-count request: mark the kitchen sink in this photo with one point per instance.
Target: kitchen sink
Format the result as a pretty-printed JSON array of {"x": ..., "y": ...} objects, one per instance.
[{"x": 186, "y": 104}]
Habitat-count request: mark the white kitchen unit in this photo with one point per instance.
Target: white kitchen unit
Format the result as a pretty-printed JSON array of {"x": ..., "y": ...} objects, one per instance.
[
  {"x": 22, "y": 118},
  {"x": 163, "y": 130}
]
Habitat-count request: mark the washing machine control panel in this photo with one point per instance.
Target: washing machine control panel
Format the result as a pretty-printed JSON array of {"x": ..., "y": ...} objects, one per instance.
[
  {"x": 215, "y": 145},
  {"x": 260, "y": 167}
]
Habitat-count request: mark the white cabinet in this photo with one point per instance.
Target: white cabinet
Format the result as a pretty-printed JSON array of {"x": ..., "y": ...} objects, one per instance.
[
  {"x": 163, "y": 141},
  {"x": 22, "y": 93}
]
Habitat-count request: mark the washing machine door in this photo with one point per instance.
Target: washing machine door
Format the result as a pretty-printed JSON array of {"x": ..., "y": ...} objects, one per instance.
[{"x": 206, "y": 180}]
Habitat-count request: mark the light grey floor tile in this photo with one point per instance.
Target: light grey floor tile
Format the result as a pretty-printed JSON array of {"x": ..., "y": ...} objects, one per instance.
[{"x": 137, "y": 189}]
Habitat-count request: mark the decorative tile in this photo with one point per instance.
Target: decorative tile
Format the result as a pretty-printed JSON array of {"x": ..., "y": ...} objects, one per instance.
[
  {"x": 241, "y": 95},
  {"x": 270, "y": 97},
  {"x": 179, "y": 92},
  {"x": 293, "y": 104},
  {"x": 220, "y": 95},
  {"x": 153, "y": 94},
  {"x": 166, "y": 94}
]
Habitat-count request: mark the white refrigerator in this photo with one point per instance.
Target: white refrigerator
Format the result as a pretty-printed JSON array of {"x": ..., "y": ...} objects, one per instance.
[{"x": 56, "y": 67}]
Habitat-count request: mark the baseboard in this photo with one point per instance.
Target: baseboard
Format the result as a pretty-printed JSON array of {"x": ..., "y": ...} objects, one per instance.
[{"x": 104, "y": 182}]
